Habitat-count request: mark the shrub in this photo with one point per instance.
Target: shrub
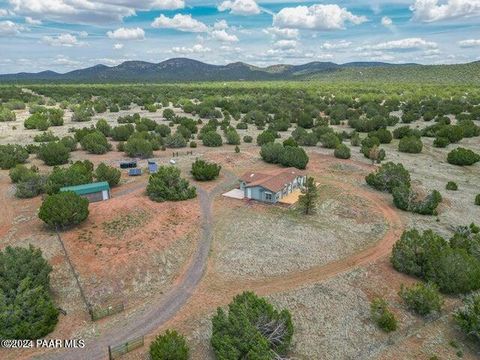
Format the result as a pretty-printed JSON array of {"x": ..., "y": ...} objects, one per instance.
[
  {"x": 170, "y": 346},
  {"x": 27, "y": 311},
  {"x": 462, "y": 157},
  {"x": 252, "y": 328},
  {"x": 410, "y": 144},
  {"x": 21, "y": 172},
  {"x": 453, "y": 133},
  {"x": 103, "y": 127},
  {"x": 430, "y": 257},
  {"x": 294, "y": 157},
  {"x": 54, "y": 153},
  {"x": 163, "y": 130},
  {"x": 167, "y": 185},
  {"x": 212, "y": 139},
  {"x": 30, "y": 186},
  {"x": 232, "y": 137},
  {"x": 367, "y": 144},
  {"x": 237, "y": 149},
  {"x": 137, "y": 147},
  {"x": 69, "y": 142},
  {"x": 193, "y": 144},
  {"x": 11, "y": 155},
  {"x": 122, "y": 132},
  {"x": 204, "y": 171},
  {"x": 342, "y": 152},
  {"x": 411, "y": 254},
  {"x": 477, "y": 200},
  {"x": 422, "y": 299},
  {"x": 247, "y": 139},
  {"x": 6, "y": 115},
  {"x": 290, "y": 142},
  {"x": 285, "y": 155},
  {"x": 242, "y": 126},
  {"x": 265, "y": 137},
  {"x": 82, "y": 113},
  {"x": 383, "y": 135},
  {"x": 441, "y": 142},
  {"x": 330, "y": 141},
  {"x": 454, "y": 271},
  {"x": 46, "y": 136},
  {"x": 451, "y": 185},
  {"x": 108, "y": 173},
  {"x": 406, "y": 199},
  {"x": 63, "y": 209},
  {"x": 95, "y": 143},
  {"x": 271, "y": 152},
  {"x": 404, "y": 131},
  {"x": 383, "y": 317},
  {"x": 175, "y": 141},
  {"x": 388, "y": 177},
  {"x": 468, "y": 317},
  {"x": 76, "y": 174},
  {"x": 355, "y": 139}
]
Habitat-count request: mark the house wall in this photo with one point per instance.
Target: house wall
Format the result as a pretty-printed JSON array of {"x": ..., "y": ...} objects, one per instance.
[{"x": 97, "y": 196}]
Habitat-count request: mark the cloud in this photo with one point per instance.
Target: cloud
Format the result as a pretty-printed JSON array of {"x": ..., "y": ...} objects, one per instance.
[
  {"x": 386, "y": 21},
  {"x": 240, "y": 7},
  {"x": 469, "y": 43},
  {"x": 65, "y": 61},
  {"x": 342, "y": 44},
  {"x": 223, "y": 36},
  {"x": 118, "y": 46},
  {"x": 195, "y": 49},
  {"x": 282, "y": 33},
  {"x": 89, "y": 11},
  {"x": 285, "y": 44},
  {"x": 431, "y": 10},
  {"x": 180, "y": 22},
  {"x": 31, "y": 21},
  {"x": 220, "y": 25},
  {"x": 316, "y": 17},
  {"x": 10, "y": 28},
  {"x": 66, "y": 40},
  {"x": 127, "y": 34},
  {"x": 3, "y": 12},
  {"x": 410, "y": 44}
]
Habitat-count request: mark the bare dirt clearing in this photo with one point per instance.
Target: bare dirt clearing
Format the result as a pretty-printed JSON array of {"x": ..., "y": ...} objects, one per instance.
[
  {"x": 131, "y": 247},
  {"x": 257, "y": 240}
]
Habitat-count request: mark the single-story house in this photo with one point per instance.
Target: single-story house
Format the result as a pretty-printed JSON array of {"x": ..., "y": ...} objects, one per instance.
[
  {"x": 271, "y": 186},
  {"x": 98, "y": 191}
]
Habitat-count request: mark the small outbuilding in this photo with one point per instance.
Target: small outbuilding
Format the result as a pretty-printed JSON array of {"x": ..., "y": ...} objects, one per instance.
[
  {"x": 135, "y": 172},
  {"x": 128, "y": 164},
  {"x": 98, "y": 191},
  {"x": 152, "y": 167}
]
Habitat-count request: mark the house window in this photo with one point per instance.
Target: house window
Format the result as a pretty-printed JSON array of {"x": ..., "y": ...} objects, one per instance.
[{"x": 268, "y": 196}]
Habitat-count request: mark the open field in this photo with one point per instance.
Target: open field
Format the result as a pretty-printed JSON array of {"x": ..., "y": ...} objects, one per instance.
[{"x": 173, "y": 263}]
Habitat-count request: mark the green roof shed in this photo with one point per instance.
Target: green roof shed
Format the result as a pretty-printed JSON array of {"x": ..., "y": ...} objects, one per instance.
[{"x": 93, "y": 192}]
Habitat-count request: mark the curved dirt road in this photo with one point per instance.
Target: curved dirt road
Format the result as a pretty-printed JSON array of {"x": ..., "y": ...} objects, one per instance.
[
  {"x": 164, "y": 309},
  {"x": 160, "y": 310}
]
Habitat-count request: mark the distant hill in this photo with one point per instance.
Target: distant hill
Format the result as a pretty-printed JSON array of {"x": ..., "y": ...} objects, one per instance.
[{"x": 184, "y": 70}]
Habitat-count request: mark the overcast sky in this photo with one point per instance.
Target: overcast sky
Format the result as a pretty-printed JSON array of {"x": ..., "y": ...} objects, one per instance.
[{"x": 62, "y": 35}]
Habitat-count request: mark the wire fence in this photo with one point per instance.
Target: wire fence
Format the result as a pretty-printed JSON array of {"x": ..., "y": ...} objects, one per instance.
[
  {"x": 98, "y": 313},
  {"x": 115, "y": 352},
  {"x": 72, "y": 268}
]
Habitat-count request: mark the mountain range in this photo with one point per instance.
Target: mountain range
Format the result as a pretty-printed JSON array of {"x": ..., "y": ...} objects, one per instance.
[{"x": 184, "y": 70}]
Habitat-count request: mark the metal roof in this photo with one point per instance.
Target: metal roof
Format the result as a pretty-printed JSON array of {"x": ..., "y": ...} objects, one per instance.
[{"x": 87, "y": 188}]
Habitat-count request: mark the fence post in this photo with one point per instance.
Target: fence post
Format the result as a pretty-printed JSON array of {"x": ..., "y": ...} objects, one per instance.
[{"x": 109, "y": 352}]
